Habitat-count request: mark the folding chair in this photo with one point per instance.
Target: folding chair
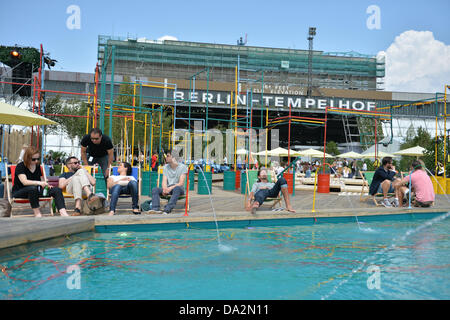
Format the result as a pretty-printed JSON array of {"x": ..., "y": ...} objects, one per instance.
[
  {"x": 181, "y": 197},
  {"x": 23, "y": 200},
  {"x": 249, "y": 186},
  {"x": 135, "y": 172},
  {"x": 367, "y": 177},
  {"x": 90, "y": 169}
]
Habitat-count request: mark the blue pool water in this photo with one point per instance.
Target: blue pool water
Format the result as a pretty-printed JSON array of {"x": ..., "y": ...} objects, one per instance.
[{"x": 407, "y": 258}]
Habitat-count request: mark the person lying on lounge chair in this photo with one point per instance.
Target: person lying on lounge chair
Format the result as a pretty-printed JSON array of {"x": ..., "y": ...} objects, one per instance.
[{"x": 262, "y": 189}]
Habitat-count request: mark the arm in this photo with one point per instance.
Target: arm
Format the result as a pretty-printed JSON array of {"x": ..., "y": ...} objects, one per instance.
[
  {"x": 26, "y": 182},
  {"x": 164, "y": 185},
  {"x": 110, "y": 183},
  {"x": 84, "y": 155},
  {"x": 249, "y": 201},
  {"x": 63, "y": 182},
  {"x": 110, "y": 157}
]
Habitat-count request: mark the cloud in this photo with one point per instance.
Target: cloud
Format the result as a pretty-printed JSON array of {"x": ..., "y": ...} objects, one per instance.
[
  {"x": 166, "y": 37},
  {"x": 417, "y": 62}
]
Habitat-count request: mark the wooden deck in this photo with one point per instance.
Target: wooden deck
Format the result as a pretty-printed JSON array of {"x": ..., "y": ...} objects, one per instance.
[{"x": 228, "y": 206}]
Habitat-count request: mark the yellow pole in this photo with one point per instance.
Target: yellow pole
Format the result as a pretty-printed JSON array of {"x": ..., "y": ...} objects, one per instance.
[
  {"x": 235, "y": 117},
  {"x": 151, "y": 135},
  {"x": 145, "y": 141},
  {"x": 134, "y": 116},
  {"x": 125, "y": 142}
]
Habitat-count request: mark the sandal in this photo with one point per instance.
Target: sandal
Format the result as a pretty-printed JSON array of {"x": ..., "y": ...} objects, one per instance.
[
  {"x": 76, "y": 212},
  {"x": 136, "y": 212}
]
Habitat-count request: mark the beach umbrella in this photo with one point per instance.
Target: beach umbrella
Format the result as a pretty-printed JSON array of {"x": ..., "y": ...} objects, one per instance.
[
  {"x": 311, "y": 153},
  {"x": 351, "y": 154},
  {"x": 381, "y": 154},
  {"x": 15, "y": 116},
  {"x": 280, "y": 152},
  {"x": 416, "y": 151},
  {"x": 241, "y": 152},
  {"x": 314, "y": 154}
]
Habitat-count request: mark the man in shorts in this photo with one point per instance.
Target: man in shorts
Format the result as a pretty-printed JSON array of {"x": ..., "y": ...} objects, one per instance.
[{"x": 382, "y": 181}]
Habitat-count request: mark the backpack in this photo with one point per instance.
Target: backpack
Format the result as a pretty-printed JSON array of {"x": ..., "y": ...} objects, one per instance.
[
  {"x": 5, "y": 208},
  {"x": 98, "y": 206},
  {"x": 146, "y": 205}
]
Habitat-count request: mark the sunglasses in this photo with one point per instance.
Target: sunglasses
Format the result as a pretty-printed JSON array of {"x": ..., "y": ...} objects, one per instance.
[
  {"x": 35, "y": 159},
  {"x": 77, "y": 162},
  {"x": 96, "y": 138}
]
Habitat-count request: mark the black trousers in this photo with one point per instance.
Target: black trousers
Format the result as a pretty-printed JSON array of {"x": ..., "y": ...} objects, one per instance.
[{"x": 33, "y": 194}]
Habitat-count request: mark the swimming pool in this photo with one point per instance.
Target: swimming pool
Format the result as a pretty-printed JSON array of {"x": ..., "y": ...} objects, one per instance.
[{"x": 391, "y": 257}]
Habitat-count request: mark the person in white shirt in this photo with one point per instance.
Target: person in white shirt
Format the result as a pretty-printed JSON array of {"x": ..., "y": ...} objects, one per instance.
[{"x": 124, "y": 183}]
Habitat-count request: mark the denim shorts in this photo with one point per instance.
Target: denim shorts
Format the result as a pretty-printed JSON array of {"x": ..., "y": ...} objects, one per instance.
[{"x": 391, "y": 189}]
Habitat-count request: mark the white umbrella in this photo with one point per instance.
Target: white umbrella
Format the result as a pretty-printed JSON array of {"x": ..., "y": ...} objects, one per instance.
[
  {"x": 416, "y": 151},
  {"x": 380, "y": 154},
  {"x": 314, "y": 153},
  {"x": 351, "y": 154},
  {"x": 12, "y": 115},
  {"x": 241, "y": 152},
  {"x": 278, "y": 152}
]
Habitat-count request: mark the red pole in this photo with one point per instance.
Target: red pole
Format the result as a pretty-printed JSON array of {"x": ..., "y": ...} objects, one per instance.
[
  {"x": 376, "y": 154},
  {"x": 187, "y": 195},
  {"x": 94, "y": 116},
  {"x": 325, "y": 138},
  {"x": 38, "y": 131},
  {"x": 34, "y": 99},
  {"x": 289, "y": 137}
]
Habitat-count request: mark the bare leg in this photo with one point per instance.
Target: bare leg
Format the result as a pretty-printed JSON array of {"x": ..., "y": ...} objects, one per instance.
[
  {"x": 37, "y": 212},
  {"x": 63, "y": 212},
  {"x": 385, "y": 185},
  {"x": 287, "y": 200}
]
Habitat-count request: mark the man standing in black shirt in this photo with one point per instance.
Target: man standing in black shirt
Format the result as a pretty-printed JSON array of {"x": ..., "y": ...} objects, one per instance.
[{"x": 100, "y": 149}]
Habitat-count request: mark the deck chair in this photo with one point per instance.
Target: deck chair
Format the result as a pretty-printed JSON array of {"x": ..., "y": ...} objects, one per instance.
[
  {"x": 272, "y": 201},
  {"x": 90, "y": 169},
  {"x": 367, "y": 177},
  {"x": 135, "y": 172},
  {"x": 12, "y": 200},
  {"x": 181, "y": 197}
]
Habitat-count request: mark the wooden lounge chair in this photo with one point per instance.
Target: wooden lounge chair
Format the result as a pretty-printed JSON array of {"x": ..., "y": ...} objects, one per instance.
[
  {"x": 90, "y": 169},
  {"x": 135, "y": 172},
  {"x": 272, "y": 201},
  {"x": 181, "y": 197},
  {"x": 22, "y": 200}
]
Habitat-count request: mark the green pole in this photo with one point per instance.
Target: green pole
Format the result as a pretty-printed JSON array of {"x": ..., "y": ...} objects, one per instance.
[
  {"x": 113, "y": 49},
  {"x": 103, "y": 89}
]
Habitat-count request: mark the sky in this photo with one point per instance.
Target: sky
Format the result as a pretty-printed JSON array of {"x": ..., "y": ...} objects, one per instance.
[{"x": 414, "y": 36}]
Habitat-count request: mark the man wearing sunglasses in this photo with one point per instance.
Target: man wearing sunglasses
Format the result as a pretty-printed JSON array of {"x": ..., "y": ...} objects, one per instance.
[
  {"x": 100, "y": 149},
  {"x": 76, "y": 181}
]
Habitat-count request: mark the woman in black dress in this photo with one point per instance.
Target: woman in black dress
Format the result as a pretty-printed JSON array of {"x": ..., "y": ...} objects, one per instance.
[{"x": 29, "y": 183}]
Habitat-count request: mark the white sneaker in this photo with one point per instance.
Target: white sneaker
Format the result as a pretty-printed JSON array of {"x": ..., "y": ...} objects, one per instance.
[
  {"x": 386, "y": 203},
  {"x": 396, "y": 203}
]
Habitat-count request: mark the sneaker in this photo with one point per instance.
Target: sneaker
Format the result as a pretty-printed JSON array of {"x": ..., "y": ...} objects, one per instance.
[
  {"x": 155, "y": 211},
  {"x": 396, "y": 203},
  {"x": 386, "y": 203},
  {"x": 166, "y": 211}
]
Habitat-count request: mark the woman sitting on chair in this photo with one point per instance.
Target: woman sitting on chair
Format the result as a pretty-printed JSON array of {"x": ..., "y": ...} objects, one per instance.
[
  {"x": 124, "y": 183},
  {"x": 29, "y": 183},
  {"x": 262, "y": 189}
]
